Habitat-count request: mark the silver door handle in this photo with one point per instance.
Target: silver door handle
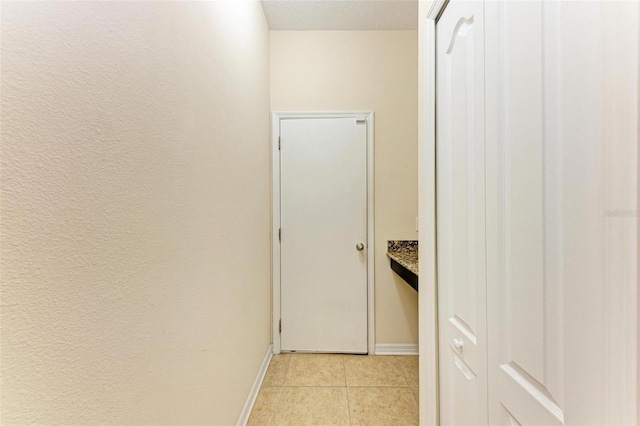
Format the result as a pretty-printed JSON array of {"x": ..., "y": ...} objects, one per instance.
[{"x": 359, "y": 246}]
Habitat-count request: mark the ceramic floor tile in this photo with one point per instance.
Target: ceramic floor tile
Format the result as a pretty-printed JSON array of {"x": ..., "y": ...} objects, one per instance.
[
  {"x": 315, "y": 370},
  {"x": 266, "y": 406},
  {"x": 313, "y": 406},
  {"x": 277, "y": 370},
  {"x": 371, "y": 370},
  {"x": 409, "y": 366},
  {"x": 416, "y": 394},
  {"x": 382, "y": 406}
]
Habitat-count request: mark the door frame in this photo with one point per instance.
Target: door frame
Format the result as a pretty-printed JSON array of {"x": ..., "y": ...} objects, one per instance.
[
  {"x": 428, "y": 295},
  {"x": 276, "y": 117}
]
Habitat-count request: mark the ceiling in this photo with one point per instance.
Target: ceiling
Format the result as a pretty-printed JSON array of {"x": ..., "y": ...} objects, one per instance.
[{"x": 341, "y": 14}]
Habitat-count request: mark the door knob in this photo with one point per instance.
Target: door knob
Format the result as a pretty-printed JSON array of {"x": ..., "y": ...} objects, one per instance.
[
  {"x": 458, "y": 344},
  {"x": 360, "y": 246}
]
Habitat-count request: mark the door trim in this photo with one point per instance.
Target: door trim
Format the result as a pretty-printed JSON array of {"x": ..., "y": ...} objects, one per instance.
[
  {"x": 276, "y": 117},
  {"x": 429, "y": 402}
]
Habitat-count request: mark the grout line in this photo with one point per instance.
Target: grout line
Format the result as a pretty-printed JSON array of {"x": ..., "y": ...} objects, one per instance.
[
  {"x": 346, "y": 389},
  {"x": 336, "y": 386},
  {"x": 315, "y": 386},
  {"x": 378, "y": 386},
  {"x": 286, "y": 371},
  {"x": 415, "y": 398},
  {"x": 342, "y": 386},
  {"x": 278, "y": 407},
  {"x": 399, "y": 364},
  {"x": 386, "y": 387},
  {"x": 405, "y": 374}
]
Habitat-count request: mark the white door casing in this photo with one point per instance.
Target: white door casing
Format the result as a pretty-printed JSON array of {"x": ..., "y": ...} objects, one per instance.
[
  {"x": 429, "y": 400},
  {"x": 461, "y": 214},
  {"x": 323, "y": 204}
]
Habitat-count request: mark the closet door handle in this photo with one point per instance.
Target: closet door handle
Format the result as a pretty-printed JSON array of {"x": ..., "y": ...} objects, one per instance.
[{"x": 458, "y": 344}]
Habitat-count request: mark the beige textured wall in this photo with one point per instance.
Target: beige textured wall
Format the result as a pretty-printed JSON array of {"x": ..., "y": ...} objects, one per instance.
[
  {"x": 365, "y": 70},
  {"x": 135, "y": 211}
]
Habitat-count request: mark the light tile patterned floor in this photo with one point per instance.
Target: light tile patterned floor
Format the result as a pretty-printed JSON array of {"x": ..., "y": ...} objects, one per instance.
[{"x": 321, "y": 389}]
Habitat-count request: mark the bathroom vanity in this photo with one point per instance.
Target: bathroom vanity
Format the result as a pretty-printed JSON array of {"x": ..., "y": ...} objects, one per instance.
[{"x": 403, "y": 257}]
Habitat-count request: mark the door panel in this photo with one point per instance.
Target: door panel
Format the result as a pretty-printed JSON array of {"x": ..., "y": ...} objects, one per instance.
[
  {"x": 323, "y": 217},
  {"x": 461, "y": 213},
  {"x": 524, "y": 247}
]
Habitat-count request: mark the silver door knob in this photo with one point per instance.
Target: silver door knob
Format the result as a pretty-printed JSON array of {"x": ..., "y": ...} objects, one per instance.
[
  {"x": 359, "y": 246},
  {"x": 458, "y": 344}
]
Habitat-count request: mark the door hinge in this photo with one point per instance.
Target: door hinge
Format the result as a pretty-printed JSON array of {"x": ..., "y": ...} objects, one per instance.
[
  {"x": 279, "y": 142},
  {"x": 279, "y": 234},
  {"x": 280, "y": 327}
]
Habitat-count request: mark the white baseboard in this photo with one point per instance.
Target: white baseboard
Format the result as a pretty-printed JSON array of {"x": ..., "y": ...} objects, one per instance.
[
  {"x": 396, "y": 349},
  {"x": 253, "y": 393}
]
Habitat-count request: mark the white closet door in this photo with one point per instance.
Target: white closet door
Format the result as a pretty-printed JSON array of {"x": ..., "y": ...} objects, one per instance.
[
  {"x": 461, "y": 214},
  {"x": 560, "y": 349}
]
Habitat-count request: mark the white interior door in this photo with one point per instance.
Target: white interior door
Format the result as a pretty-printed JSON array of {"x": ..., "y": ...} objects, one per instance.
[
  {"x": 460, "y": 193},
  {"x": 323, "y": 212}
]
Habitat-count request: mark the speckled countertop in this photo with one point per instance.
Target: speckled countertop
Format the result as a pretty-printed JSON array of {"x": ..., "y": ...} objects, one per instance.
[{"x": 405, "y": 252}]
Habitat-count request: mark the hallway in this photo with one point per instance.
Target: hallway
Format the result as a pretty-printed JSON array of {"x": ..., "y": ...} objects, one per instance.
[
  {"x": 339, "y": 390},
  {"x": 164, "y": 229}
]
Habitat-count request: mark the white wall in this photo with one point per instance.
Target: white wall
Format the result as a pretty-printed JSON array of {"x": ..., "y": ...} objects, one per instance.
[
  {"x": 135, "y": 211},
  {"x": 365, "y": 70}
]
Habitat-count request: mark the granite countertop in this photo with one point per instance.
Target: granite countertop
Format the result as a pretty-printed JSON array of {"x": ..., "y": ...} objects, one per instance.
[{"x": 405, "y": 252}]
